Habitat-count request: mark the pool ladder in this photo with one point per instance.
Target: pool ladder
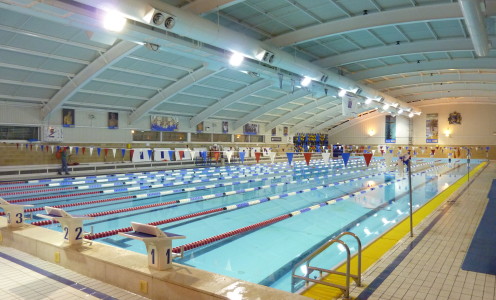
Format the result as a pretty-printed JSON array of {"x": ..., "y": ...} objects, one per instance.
[{"x": 310, "y": 269}]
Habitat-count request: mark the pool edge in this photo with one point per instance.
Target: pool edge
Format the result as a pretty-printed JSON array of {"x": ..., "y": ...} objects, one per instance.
[{"x": 372, "y": 253}]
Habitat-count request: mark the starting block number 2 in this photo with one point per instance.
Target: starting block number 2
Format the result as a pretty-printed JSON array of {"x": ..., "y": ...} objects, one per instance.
[
  {"x": 77, "y": 230},
  {"x": 18, "y": 219}
]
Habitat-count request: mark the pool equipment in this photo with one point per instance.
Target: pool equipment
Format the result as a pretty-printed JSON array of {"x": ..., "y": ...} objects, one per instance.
[{"x": 158, "y": 244}]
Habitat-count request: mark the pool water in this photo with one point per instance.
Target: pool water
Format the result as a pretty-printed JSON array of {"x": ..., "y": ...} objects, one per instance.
[{"x": 316, "y": 203}]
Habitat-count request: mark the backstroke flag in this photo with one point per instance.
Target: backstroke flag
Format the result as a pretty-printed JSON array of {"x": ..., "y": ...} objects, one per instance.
[
  {"x": 326, "y": 157},
  {"x": 308, "y": 156},
  {"x": 290, "y": 157},
  {"x": 346, "y": 157},
  {"x": 229, "y": 154},
  {"x": 368, "y": 157},
  {"x": 272, "y": 156}
]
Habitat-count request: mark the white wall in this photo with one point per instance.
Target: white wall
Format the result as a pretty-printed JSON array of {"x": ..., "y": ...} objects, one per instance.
[
  {"x": 357, "y": 131},
  {"x": 94, "y": 129},
  {"x": 477, "y": 126}
]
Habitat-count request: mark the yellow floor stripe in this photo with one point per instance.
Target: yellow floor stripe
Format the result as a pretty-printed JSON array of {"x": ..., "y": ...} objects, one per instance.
[{"x": 378, "y": 248}]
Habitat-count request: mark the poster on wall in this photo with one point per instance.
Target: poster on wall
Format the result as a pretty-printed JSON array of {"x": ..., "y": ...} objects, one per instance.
[
  {"x": 349, "y": 105},
  {"x": 225, "y": 127},
  {"x": 161, "y": 123},
  {"x": 113, "y": 120},
  {"x": 53, "y": 134},
  {"x": 285, "y": 130},
  {"x": 199, "y": 127},
  {"x": 431, "y": 128},
  {"x": 250, "y": 129},
  {"x": 68, "y": 117},
  {"x": 274, "y": 131},
  {"x": 390, "y": 129}
]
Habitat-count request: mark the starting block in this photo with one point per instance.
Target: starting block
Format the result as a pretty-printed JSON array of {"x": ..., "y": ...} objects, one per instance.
[
  {"x": 72, "y": 225},
  {"x": 14, "y": 213},
  {"x": 158, "y": 244}
]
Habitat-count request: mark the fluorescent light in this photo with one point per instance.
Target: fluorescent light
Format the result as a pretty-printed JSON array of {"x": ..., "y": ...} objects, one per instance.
[
  {"x": 306, "y": 81},
  {"x": 342, "y": 93},
  {"x": 114, "y": 22},
  {"x": 236, "y": 59}
]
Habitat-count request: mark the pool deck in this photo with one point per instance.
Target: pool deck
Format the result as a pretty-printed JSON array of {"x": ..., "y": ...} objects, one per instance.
[{"x": 426, "y": 266}]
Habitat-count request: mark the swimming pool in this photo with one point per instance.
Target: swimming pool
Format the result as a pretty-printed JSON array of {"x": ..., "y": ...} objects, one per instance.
[{"x": 249, "y": 222}]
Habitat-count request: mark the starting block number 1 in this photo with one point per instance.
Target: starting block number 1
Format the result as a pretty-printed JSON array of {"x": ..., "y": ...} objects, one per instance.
[
  {"x": 153, "y": 257},
  {"x": 18, "y": 220}
]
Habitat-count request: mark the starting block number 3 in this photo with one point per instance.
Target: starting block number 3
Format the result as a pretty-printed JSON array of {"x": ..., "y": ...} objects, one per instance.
[{"x": 18, "y": 219}]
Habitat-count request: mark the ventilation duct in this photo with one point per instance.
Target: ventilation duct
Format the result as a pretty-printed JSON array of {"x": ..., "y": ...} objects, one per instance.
[{"x": 205, "y": 31}]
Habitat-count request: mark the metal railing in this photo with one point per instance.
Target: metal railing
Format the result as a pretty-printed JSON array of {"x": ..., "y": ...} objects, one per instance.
[{"x": 310, "y": 269}]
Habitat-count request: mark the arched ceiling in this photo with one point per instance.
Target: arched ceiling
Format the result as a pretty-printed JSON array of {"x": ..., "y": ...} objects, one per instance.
[{"x": 54, "y": 53}]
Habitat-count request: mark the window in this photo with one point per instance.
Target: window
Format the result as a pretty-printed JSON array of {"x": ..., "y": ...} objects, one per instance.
[
  {"x": 221, "y": 137},
  {"x": 170, "y": 136},
  {"x": 201, "y": 137},
  {"x": 256, "y": 138},
  {"x": 19, "y": 133},
  {"x": 146, "y": 136},
  {"x": 241, "y": 138}
]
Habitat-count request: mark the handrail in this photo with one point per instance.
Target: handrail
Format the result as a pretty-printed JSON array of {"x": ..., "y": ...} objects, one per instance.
[{"x": 306, "y": 261}]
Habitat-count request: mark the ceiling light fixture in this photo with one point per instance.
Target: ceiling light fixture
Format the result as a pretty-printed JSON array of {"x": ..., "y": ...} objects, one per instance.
[
  {"x": 342, "y": 93},
  {"x": 114, "y": 22},
  {"x": 236, "y": 59},
  {"x": 306, "y": 81}
]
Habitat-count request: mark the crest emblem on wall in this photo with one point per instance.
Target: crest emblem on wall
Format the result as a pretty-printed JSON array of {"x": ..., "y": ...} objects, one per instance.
[{"x": 455, "y": 118}]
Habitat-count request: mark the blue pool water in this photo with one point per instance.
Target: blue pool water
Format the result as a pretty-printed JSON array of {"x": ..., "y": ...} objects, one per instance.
[{"x": 368, "y": 201}]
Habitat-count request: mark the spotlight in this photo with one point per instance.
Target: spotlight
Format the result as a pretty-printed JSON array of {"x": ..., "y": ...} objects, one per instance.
[
  {"x": 342, "y": 93},
  {"x": 385, "y": 106},
  {"x": 400, "y": 111},
  {"x": 410, "y": 115},
  {"x": 114, "y": 22},
  {"x": 306, "y": 81},
  {"x": 236, "y": 59},
  {"x": 368, "y": 101}
]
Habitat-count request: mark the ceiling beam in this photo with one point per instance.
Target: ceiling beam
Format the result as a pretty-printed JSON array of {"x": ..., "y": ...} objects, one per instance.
[
  {"x": 270, "y": 106},
  {"x": 429, "y": 46},
  {"x": 232, "y": 98},
  {"x": 449, "y": 94},
  {"x": 435, "y": 66},
  {"x": 328, "y": 113},
  {"x": 167, "y": 93},
  {"x": 329, "y": 123},
  {"x": 423, "y": 79},
  {"x": 451, "y": 87},
  {"x": 203, "y": 7},
  {"x": 95, "y": 68},
  {"x": 422, "y": 13},
  {"x": 299, "y": 111}
]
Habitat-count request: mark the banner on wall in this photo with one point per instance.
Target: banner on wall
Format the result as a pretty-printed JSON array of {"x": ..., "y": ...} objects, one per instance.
[
  {"x": 68, "y": 117},
  {"x": 199, "y": 127},
  {"x": 250, "y": 129},
  {"x": 431, "y": 128},
  {"x": 113, "y": 120},
  {"x": 390, "y": 129},
  {"x": 349, "y": 105},
  {"x": 285, "y": 131},
  {"x": 161, "y": 123},
  {"x": 225, "y": 127},
  {"x": 53, "y": 134}
]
